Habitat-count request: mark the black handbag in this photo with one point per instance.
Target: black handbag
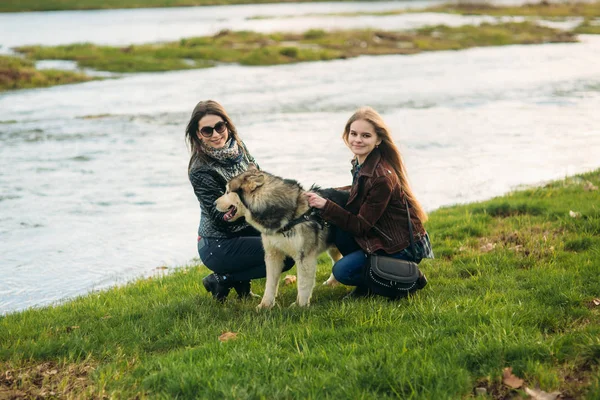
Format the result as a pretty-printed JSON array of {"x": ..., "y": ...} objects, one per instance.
[{"x": 391, "y": 277}]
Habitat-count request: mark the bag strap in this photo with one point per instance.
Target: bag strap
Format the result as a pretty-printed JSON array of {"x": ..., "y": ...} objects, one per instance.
[{"x": 410, "y": 225}]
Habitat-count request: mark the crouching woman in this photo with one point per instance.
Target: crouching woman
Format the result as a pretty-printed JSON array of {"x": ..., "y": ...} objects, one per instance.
[
  {"x": 375, "y": 219},
  {"x": 232, "y": 250}
]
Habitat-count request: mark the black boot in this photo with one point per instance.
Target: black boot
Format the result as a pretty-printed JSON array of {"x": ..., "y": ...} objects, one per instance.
[
  {"x": 243, "y": 289},
  {"x": 218, "y": 285},
  {"x": 358, "y": 292},
  {"x": 422, "y": 281}
]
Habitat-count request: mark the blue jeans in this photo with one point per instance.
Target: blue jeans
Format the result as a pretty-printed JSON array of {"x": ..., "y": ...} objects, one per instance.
[
  {"x": 242, "y": 257},
  {"x": 349, "y": 270}
]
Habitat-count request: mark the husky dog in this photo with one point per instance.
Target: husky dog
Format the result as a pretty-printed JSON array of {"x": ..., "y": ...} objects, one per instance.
[{"x": 278, "y": 209}]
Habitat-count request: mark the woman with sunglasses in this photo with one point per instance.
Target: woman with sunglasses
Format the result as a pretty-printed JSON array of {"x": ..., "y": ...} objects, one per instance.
[{"x": 232, "y": 250}]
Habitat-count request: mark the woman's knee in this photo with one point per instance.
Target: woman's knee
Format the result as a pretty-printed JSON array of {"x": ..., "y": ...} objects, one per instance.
[
  {"x": 349, "y": 269},
  {"x": 343, "y": 273}
]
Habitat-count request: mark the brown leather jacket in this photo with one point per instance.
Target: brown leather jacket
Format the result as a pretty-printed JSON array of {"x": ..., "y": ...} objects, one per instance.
[{"x": 375, "y": 213}]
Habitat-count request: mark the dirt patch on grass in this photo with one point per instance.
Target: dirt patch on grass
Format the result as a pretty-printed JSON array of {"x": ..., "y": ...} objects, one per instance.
[
  {"x": 577, "y": 381},
  {"x": 494, "y": 390},
  {"x": 575, "y": 385},
  {"x": 536, "y": 242},
  {"x": 46, "y": 380}
]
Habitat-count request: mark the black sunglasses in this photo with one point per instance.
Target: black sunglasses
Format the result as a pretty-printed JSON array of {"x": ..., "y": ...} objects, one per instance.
[{"x": 207, "y": 131}]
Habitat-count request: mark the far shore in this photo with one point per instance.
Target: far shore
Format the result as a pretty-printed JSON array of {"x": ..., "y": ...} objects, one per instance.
[
  {"x": 19, "y": 73},
  {"x": 60, "y": 5},
  {"x": 251, "y": 48}
]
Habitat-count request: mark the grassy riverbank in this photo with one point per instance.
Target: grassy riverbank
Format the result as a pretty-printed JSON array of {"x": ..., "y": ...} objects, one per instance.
[
  {"x": 17, "y": 73},
  {"x": 57, "y": 5},
  {"x": 250, "y": 48},
  {"x": 541, "y": 9},
  {"x": 588, "y": 27},
  {"x": 515, "y": 284}
]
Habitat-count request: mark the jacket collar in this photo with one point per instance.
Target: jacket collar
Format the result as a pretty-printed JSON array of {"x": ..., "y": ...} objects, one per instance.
[{"x": 368, "y": 167}]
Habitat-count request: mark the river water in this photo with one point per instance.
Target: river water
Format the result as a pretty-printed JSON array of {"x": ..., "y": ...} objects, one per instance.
[{"x": 93, "y": 183}]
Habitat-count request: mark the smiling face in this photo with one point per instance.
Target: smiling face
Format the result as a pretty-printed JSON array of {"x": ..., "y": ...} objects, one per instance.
[
  {"x": 362, "y": 139},
  {"x": 218, "y": 139}
]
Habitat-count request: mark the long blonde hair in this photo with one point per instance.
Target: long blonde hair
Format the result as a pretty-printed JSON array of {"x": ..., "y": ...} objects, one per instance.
[{"x": 389, "y": 152}]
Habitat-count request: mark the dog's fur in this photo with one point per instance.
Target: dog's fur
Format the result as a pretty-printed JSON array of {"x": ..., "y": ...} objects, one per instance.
[{"x": 269, "y": 203}]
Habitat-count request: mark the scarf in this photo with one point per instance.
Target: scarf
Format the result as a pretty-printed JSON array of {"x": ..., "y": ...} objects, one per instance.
[
  {"x": 228, "y": 154},
  {"x": 355, "y": 169}
]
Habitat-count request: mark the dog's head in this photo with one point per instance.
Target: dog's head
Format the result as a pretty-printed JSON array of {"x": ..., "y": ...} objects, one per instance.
[{"x": 239, "y": 187}]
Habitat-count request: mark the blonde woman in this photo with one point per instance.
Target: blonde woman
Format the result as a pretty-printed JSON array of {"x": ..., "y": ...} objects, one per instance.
[{"x": 375, "y": 218}]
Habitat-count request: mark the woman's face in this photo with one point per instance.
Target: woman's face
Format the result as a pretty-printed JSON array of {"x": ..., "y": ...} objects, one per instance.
[
  {"x": 210, "y": 125},
  {"x": 362, "y": 139}
]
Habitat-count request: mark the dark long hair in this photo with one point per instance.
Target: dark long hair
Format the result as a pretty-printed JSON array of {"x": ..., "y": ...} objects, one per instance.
[
  {"x": 203, "y": 108},
  {"x": 389, "y": 152}
]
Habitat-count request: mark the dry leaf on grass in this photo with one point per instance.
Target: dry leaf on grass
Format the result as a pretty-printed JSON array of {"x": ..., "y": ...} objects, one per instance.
[
  {"x": 596, "y": 302},
  {"x": 510, "y": 380},
  {"x": 70, "y": 329},
  {"x": 486, "y": 248},
  {"x": 574, "y": 214},
  {"x": 289, "y": 279},
  {"x": 541, "y": 395},
  {"x": 227, "y": 336}
]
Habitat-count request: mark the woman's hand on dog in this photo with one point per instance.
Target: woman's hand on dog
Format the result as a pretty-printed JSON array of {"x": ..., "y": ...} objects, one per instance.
[{"x": 314, "y": 200}]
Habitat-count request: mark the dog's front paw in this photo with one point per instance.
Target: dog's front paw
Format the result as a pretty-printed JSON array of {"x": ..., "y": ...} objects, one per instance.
[
  {"x": 301, "y": 303},
  {"x": 265, "y": 305}
]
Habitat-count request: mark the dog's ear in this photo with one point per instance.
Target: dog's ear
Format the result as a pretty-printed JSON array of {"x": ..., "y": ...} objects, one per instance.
[
  {"x": 234, "y": 185},
  {"x": 252, "y": 167},
  {"x": 254, "y": 181}
]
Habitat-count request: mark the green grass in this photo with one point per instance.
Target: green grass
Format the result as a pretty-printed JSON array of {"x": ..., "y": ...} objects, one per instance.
[
  {"x": 589, "y": 26},
  {"x": 541, "y": 9},
  {"x": 589, "y": 10},
  {"x": 250, "y": 48},
  {"x": 513, "y": 285},
  {"x": 535, "y": 9},
  {"x": 18, "y": 73},
  {"x": 54, "y": 5}
]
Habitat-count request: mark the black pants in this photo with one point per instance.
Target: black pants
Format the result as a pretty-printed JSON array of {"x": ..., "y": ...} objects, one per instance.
[
  {"x": 344, "y": 241},
  {"x": 243, "y": 257}
]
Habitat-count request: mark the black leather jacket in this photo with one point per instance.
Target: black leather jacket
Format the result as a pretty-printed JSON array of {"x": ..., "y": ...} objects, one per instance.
[{"x": 209, "y": 180}]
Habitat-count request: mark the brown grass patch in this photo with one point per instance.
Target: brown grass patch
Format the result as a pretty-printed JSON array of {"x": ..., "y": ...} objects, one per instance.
[
  {"x": 575, "y": 384},
  {"x": 495, "y": 389},
  {"x": 537, "y": 242},
  {"x": 576, "y": 381},
  {"x": 46, "y": 380}
]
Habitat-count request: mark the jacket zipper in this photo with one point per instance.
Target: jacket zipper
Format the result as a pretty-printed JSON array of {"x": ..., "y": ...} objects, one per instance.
[{"x": 380, "y": 231}]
